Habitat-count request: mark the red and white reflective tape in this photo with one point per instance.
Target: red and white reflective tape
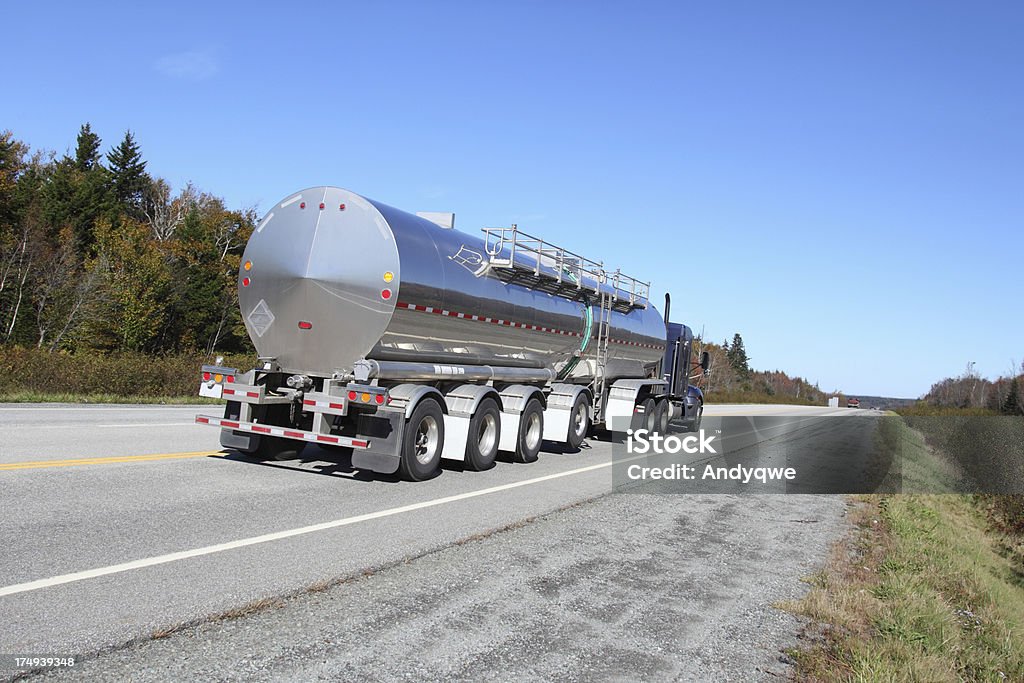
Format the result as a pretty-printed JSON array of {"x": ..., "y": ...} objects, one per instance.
[
  {"x": 484, "y": 319},
  {"x": 282, "y": 432},
  {"x": 249, "y": 394},
  {"x": 323, "y": 404},
  {"x": 511, "y": 323}
]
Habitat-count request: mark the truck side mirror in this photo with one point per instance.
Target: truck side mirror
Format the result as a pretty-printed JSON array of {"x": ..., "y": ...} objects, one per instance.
[{"x": 705, "y": 361}]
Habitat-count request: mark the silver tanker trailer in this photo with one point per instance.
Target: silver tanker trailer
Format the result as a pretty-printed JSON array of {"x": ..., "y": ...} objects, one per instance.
[{"x": 403, "y": 341}]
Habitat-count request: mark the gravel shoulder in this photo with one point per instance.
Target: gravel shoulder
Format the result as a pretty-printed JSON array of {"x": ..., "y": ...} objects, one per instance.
[{"x": 625, "y": 587}]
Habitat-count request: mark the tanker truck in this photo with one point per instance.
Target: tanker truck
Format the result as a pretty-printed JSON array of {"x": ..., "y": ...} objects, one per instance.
[{"x": 400, "y": 341}]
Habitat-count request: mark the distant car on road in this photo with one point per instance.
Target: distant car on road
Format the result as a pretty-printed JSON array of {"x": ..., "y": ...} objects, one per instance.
[{"x": 853, "y": 403}]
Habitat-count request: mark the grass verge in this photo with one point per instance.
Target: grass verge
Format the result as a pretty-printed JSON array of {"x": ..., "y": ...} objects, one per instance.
[{"x": 924, "y": 589}]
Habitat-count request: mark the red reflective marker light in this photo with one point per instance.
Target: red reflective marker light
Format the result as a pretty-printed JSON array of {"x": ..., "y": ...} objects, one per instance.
[
  {"x": 379, "y": 398},
  {"x": 385, "y": 294},
  {"x": 321, "y": 206},
  {"x": 206, "y": 376},
  {"x": 352, "y": 395},
  {"x": 302, "y": 205},
  {"x": 303, "y": 325},
  {"x": 341, "y": 207},
  {"x": 245, "y": 281}
]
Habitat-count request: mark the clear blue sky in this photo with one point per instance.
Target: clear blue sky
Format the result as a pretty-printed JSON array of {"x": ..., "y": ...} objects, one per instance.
[{"x": 842, "y": 183}]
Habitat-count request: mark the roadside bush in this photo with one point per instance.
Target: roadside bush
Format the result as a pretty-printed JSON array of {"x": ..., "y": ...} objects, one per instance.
[{"x": 121, "y": 374}]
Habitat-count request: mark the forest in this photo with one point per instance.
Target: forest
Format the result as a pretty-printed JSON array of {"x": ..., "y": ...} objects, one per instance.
[{"x": 99, "y": 255}]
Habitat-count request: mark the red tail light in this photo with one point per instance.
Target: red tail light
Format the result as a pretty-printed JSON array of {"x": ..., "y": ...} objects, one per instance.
[
  {"x": 230, "y": 379},
  {"x": 379, "y": 398},
  {"x": 303, "y": 325},
  {"x": 352, "y": 395},
  {"x": 206, "y": 376}
]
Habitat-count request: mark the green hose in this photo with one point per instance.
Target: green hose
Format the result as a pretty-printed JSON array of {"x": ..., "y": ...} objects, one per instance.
[{"x": 588, "y": 315}]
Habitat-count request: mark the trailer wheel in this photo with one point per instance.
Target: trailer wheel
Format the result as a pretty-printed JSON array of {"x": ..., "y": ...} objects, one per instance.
[
  {"x": 579, "y": 420},
  {"x": 531, "y": 431},
  {"x": 422, "y": 442},
  {"x": 661, "y": 413},
  {"x": 484, "y": 434},
  {"x": 276, "y": 448}
]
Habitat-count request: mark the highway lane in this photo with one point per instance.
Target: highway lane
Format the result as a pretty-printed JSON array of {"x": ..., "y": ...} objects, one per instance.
[{"x": 69, "y": 519}]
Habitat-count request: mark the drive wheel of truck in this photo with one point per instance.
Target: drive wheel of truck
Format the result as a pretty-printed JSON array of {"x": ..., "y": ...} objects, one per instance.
[
  {"x": 698, "y": 418},
  {"x": 422, "y": 442},
  {"x": 579, "y": 420},
  {"x": 531, "y": 431},
  {"x": 276, "y": 448},
  {"x": 644, "y": 418},
  {"x": 661, "y": 413},
  {"x": 484, "y": 434}
]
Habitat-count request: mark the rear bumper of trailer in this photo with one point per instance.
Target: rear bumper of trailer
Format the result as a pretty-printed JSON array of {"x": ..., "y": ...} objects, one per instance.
[{"x": 283, "y": 432}]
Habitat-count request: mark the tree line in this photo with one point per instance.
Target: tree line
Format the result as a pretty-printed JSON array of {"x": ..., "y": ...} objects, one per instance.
[
  {"x": 732, "y": 375},
  {"x": 1004, "y": 395},
  {"x": 97, "y": 254}
]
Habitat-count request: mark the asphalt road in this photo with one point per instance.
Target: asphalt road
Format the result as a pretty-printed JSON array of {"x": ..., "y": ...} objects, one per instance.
[{"x": 125, "y": 522}]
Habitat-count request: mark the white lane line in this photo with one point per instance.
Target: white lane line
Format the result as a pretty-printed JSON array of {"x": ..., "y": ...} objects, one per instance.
[{"x": 278, "y": 535}]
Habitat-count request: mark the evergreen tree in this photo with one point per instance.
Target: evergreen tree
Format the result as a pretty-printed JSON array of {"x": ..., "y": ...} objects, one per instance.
[
  {"x": 77, "y": 192},
  {"x": 737, "y": 356},
  {"x": 128, "y": 177},
  {"x": 87, "y": 152},
  {"x": 1012, "y": 402}
]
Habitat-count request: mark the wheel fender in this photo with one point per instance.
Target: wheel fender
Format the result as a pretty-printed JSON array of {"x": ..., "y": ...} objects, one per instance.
[
  {"x": 412, "y": 394},
  {"x": 558, "y": 412},
  {"x": 513, "y": 401},
  {"x": 464, "y": 399},
  {"x": 515, "y": 397},
  {"x": 622, "y": 399}
]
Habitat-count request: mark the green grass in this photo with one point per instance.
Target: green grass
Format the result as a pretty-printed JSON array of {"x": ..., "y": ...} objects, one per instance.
[{"x": 923, "y": 590}]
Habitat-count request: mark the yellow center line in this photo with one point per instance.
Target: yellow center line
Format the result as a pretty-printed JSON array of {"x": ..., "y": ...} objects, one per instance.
[{"x": 37, "y": 464}]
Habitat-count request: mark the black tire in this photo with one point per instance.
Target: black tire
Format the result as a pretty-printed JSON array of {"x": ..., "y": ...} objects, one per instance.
[
  {"x": 276, "y": 448},
  {"x": 422, "y": 442},
  {"x": 644, "y": 418},
  {"x": 531, "y": 432},
  {"x": 698, "y": 418},
  {"x": 484, "y": 435},
  {"x": 579, "y": 420},
  {"x": 661, "y": 414}
]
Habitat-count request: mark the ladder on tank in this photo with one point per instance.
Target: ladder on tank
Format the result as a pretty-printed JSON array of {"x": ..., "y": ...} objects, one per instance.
[{"x": 604, "y": 328}]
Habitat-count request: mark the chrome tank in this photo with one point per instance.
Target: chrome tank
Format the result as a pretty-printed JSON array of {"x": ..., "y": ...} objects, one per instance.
[{"x": 317, "y": 297}]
